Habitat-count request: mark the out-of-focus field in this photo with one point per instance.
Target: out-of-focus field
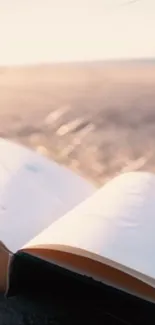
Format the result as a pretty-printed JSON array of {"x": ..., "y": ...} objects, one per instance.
[{"x": 96, "y": 118}]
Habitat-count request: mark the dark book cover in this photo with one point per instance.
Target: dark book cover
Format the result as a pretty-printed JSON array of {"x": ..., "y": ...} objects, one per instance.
[{"x": 77, "y": 299}]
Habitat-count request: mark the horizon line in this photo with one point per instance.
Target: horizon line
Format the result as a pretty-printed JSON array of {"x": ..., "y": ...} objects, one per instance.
[{"x": 65, "y": 62}]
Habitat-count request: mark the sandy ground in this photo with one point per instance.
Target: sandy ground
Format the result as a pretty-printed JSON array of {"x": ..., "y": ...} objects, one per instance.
[{"x": 98, "y": 119}]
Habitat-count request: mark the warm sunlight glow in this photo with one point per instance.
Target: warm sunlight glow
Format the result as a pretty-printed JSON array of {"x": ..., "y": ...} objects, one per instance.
[{"x": 35, "y": 31}]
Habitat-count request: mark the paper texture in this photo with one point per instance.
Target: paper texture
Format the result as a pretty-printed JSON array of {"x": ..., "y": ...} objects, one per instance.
[
  {"x": 117, "y": 224},
  {"x": 34, "y": 192}
]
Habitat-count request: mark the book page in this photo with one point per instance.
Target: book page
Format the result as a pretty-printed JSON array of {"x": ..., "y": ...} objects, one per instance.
[
  {"x": 34, "y": 192},
  {"x": 115, "y": 226}
]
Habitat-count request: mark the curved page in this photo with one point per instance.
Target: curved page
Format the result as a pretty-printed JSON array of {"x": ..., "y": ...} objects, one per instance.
[
  {"x": 34, "y": 192},
  {"x": 115, "y": 226}
]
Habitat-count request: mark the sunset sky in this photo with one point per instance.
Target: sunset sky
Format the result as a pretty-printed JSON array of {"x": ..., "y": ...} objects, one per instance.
[{"x": 34, "y": 31}]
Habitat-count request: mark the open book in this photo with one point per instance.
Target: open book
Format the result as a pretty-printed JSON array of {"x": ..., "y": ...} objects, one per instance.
[{"x": 108, "y": 237}]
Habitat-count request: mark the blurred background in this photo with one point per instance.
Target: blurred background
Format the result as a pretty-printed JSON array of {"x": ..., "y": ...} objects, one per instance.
[{"x": 77, "y": 82}]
